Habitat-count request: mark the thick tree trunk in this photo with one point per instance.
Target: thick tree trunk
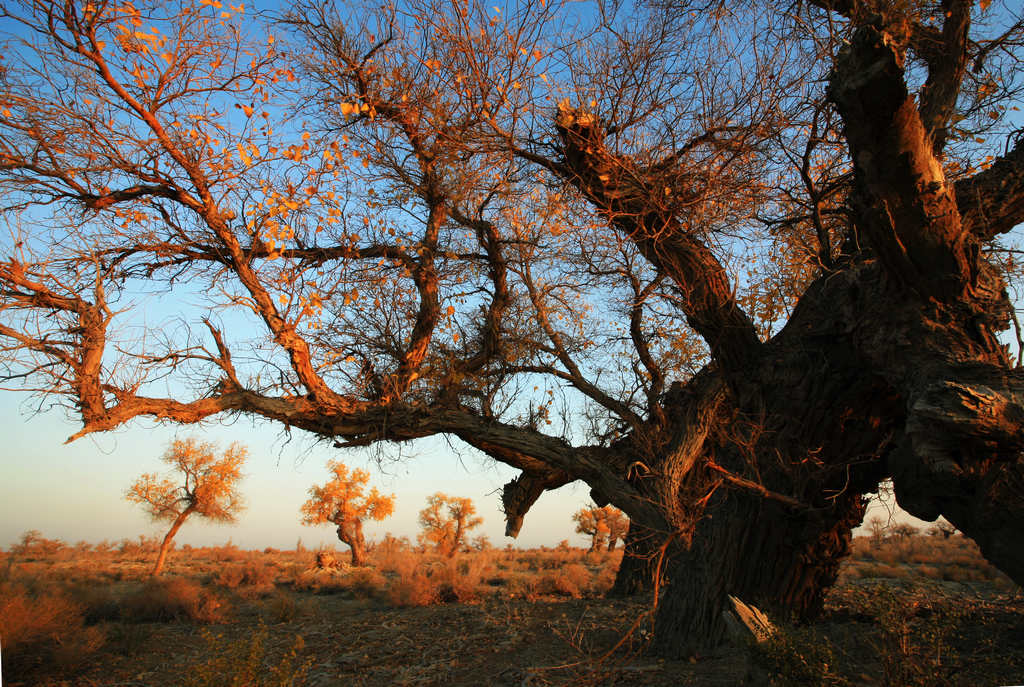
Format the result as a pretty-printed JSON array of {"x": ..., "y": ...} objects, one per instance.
[
  {"x": 351, "y": 533},
  {"x": 639, "y": 558},
  {"x": 782, "y": 464},
  {"x": 754, "y": 550}
]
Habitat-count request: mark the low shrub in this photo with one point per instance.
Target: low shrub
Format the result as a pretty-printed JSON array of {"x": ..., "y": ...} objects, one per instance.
[
  {"x": 43, "y": 628},
  {"x": 798, "y": 657},
  {"x": 250, "y": 573},
  {"x": 416, "y": 589},
  {"x": 97, "y": 602},
  {"x": 365, "y": 583},
  {"x": 281, "y": 607},
  {"x": 251, "y": 580},
  {"x": 573, "y": 580},
  {"x": 165, "y": 600}
]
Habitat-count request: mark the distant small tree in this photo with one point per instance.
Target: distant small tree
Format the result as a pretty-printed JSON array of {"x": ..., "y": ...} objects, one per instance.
[
  {"x": 207, "y": 487},
  {"x": 344, "y": 502},
  {"x": 605, "y": 526},
  {"x": 618, "y": 525},
  {"x": 943, "y": 529},
  {"x": 904, "y": 531},
  {"x": 33, "y": 542},
  {"x": 590, "y": 522},
  {"x": 445, "y": 521},
  {"x": 877, "y": 530}
]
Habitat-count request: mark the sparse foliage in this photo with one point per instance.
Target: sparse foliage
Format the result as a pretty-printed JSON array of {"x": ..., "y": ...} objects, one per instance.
[
  {"x": 943, "y": 529},
  {"x": 205, "y": 485},
  {"x": 904, "y": 531},
  {"x": 446, "y": 521},
  {"x": 346, "y": 504},
  {"x": 878, "y": 530}
]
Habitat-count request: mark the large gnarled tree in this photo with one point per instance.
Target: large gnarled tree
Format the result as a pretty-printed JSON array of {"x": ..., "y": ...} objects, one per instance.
[{"x": 650, "y": 251}]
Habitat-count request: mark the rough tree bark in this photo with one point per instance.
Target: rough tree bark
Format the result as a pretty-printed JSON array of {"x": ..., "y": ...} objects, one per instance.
[
  {"x": 639, "y": 558},
  {"x": 351, "y": 532},
  {"x": 889, "y": 366}
]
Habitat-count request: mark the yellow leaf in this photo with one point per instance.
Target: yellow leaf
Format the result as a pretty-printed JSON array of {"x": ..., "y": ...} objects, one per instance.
[{"x": 168, "y": 58}]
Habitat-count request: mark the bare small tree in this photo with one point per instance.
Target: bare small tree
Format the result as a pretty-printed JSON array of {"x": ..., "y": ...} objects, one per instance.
[
  {"x": 344, "y": 502},
  {"x": 904, "y": 531},
  {"x": 445, "y": 521},
  {"x": 208, "y": 487},
  {"x": 877, "y": 531}
]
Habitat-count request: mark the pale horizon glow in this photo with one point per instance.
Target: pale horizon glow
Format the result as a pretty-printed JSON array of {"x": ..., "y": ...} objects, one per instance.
[{"x": 75, "y": 492}]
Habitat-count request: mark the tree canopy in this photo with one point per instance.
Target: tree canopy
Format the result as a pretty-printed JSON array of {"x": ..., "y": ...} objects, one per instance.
[
  {"x": 731, "y": 264},
  {"x": 205, "y": 485},
  {"x": 446, "y": 522},
  {"x": 344, "y": 502}
]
